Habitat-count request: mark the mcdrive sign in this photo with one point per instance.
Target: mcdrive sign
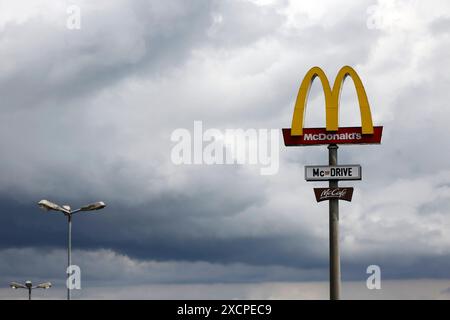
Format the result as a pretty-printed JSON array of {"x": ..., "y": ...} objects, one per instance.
[{"x": 325, "y": 173}]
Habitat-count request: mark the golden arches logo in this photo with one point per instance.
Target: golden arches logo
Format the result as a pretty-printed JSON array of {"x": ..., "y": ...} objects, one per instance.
[{"x": 332, "y": 99}]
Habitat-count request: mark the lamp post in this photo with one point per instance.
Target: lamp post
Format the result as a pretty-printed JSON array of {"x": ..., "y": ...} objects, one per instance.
[
  {"x": 66, "y": 210},
  {"x": 29, "y": 286}
]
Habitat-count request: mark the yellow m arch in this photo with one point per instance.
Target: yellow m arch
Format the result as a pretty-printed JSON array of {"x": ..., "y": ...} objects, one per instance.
[{"x": 332, "y": 98}]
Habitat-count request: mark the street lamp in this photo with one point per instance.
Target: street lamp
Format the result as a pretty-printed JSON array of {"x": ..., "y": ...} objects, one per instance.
[
  {"x": 29, "y": 286},
  {"x": 48, "y": 205}
]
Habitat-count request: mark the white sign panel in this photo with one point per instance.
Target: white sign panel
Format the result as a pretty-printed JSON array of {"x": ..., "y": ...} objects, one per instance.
[{"x": 325, "y": 173}]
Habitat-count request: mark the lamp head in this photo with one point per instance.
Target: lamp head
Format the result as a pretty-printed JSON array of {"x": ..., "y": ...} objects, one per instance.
[
  {"x": 93, "y": 206},
  {"x": 48, "y": 205},
  {"x": 16, "y": 285},
  {"x": 45, "y": 285}
]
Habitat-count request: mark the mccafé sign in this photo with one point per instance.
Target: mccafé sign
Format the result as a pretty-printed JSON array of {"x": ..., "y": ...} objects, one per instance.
[
  {"x": 323, "y": 194},
  {"x": 331, "y": 134}
]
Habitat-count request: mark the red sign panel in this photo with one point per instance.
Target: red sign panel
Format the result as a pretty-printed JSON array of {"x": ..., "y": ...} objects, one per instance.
[
  {"x": 323, "y": 194},
  {"x": 318, "y": 136}
]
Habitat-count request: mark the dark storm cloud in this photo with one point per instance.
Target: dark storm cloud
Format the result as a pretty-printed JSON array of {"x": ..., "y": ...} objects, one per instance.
[{"x": 168, "y": 228}]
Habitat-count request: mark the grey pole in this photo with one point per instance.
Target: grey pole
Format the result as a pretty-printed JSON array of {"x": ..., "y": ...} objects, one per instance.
[
  {"x": 335, "y": 266},
  {"x": 69, "y": 252},
  {"x": 29, "y": 293}
]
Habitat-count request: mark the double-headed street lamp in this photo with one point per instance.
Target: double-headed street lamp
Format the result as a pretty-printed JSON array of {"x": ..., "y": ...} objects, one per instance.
[
  {"x": 47, "y": 205},
  {"x": 29, "y": 286}
]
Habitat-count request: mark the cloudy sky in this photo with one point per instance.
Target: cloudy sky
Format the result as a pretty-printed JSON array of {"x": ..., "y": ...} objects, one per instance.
[{"x": 87, "y": 114}]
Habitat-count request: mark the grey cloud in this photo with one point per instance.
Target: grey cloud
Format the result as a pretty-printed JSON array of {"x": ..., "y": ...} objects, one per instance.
[
  {"x": 116, "y": 40},
  {"x": 410, "y": 289},
  {"x": 106, "y": 274},
  {"x": 105, "y": 266}
]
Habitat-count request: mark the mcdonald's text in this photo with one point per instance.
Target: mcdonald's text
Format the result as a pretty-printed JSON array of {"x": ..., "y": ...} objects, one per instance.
[{"x": 320, "y": 136}]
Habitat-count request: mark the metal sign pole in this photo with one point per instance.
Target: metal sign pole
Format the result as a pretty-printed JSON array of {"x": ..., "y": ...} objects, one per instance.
[{"x": 335, "y": 266}]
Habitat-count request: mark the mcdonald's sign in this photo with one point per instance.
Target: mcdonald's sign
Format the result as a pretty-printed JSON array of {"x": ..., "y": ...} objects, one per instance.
[{"x": 331, "y": 134}]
